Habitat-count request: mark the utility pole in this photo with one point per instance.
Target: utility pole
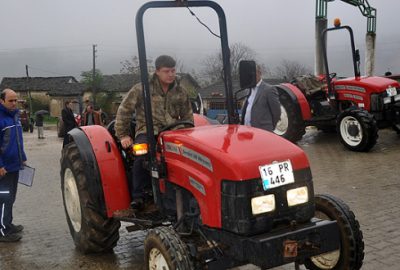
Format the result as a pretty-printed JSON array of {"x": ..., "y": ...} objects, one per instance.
[
  {"x": 28, "y": 89},
  {"x": 94, "y": 75}
]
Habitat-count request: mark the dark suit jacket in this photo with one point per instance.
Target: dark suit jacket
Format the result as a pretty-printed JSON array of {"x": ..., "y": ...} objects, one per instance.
[
  {"x": 266, "y": 109},
  {"x": 68, "y": 119}
]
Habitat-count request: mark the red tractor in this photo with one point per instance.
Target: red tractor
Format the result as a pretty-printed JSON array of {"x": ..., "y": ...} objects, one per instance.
[
  {"x": 355, "y": 107},
  {"x": 221, "y": 195}
]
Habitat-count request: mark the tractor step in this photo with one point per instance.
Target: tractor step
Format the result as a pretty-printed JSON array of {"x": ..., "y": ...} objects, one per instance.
[{"x": 147, "y": 218}]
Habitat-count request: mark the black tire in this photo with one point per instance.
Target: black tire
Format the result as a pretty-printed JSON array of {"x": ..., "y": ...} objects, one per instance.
[
  {"x": 357, "y": 129},
  {"x": 90, "y": 228},
  {"x": 291, "y": 126},
  {"x": 165, "y": 242},
  {"x": 351, "y": 252}
]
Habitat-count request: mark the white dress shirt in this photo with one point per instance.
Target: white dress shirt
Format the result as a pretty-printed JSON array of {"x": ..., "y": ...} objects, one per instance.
[{"x": 250, "y": 100}]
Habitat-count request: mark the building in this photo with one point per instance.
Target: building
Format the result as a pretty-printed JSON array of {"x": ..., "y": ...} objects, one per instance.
[
  {"x": 56, "y": 90},
  {"x": 48, "y": 90}
]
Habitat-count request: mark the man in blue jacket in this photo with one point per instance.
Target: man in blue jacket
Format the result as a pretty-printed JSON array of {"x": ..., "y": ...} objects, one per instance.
[{"x": 12, "y": 158}]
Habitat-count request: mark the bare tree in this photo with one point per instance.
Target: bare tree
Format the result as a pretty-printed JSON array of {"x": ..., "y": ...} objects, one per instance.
[
  {"x": 131, "y": 66},
  {"x": 288, "y": 70},
  {"x": 213, "y": 65}
]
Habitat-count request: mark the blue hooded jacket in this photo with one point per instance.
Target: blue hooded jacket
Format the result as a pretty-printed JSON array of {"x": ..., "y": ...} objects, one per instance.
[{"x": 11, "y": 144}]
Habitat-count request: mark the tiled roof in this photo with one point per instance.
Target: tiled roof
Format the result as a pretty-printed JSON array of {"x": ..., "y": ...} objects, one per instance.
[{"x": 65, "y": 85}]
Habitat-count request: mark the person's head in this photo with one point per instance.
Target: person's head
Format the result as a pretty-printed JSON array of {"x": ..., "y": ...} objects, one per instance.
[
  {"x": 165, "y": 69},
  {"x": 89, "y": 108},
  {"x": 67, "y": 104},
  {"x": 258, "y": 73},
  {"x": 9, "y": 99}
]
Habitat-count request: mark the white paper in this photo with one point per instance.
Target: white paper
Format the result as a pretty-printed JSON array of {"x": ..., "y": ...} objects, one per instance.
[{"x": 26, "y": 175}]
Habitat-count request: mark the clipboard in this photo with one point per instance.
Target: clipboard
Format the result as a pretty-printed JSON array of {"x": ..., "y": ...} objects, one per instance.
[{"x": 26, "y": 175}]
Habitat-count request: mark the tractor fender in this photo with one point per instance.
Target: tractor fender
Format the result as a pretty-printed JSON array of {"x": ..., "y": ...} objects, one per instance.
[
  {"x": 298, "y": 99},
  {"x": 104, "y": 167}
]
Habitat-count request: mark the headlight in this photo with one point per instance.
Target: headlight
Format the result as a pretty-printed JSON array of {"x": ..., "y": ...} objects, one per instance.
[
  {"x": 297, "y": 196},
  {"x": 140, "y": 149},
  {"x": 263, "y": 204}
]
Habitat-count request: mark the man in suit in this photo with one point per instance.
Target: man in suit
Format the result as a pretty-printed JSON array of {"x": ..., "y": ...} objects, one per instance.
[
  {"x": 69, "y": 121},
  {"x": 262, "y": 108}
]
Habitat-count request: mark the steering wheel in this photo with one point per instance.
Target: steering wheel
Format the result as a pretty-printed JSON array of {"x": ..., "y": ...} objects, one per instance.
[{"x": 173, "y": 125}]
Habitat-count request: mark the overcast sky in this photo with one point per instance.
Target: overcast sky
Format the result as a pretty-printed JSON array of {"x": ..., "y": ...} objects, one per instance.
[{"x": 55, "y": 37}]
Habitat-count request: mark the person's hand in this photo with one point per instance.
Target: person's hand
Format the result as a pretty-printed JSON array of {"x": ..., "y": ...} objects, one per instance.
[
  {"x": 126, "y": 141},
  {"x": 2, "y": 171}
]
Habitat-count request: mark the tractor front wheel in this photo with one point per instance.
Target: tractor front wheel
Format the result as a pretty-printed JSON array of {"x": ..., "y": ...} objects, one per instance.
[
  {"x": 358, "y": 130},
  {"x": 164, "y": 250},
  {"x": 91, "y": 230},
  {"x": 350, "y": 254},
  {"x": 291, "y": 125}
]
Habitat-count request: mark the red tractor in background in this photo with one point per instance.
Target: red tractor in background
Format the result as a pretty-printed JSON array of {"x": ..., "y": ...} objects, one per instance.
[
  {"x": 221, "y": 195},
  {"x": 355, "y": 107}
]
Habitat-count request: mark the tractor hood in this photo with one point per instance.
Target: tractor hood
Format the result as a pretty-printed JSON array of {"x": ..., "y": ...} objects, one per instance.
[
  {"x": 366, "y": 84},
  {"x": 232, "y": 152}
]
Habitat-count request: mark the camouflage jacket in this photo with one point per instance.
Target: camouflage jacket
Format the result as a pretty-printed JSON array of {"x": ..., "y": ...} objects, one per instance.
[{"x": 167, "y": 108}]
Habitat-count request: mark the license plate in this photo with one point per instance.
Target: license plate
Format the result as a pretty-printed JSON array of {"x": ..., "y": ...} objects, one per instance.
[
  {"x": 391, "y": 91},
  {"x": 276, "y": 174}
]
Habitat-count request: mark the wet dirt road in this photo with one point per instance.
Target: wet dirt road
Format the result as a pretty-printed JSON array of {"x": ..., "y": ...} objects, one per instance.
[{"x": 368, "y": 182}]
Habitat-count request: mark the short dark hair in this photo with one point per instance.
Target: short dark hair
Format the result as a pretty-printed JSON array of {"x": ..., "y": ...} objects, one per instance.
[
  {"x": 165, "y": 61},
  {"x": 3, "y": 95},
  {"x": 67, "y": 102}
]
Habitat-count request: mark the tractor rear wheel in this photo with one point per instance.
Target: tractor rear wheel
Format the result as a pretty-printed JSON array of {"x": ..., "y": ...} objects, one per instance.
[
  {"x": 358, "y": 130},
  {"x": 164, "y": 250},
  {"x": 350, "y": 254},
  {"x": 91, "y": 230},
  {"x": 291, "y": 126}
]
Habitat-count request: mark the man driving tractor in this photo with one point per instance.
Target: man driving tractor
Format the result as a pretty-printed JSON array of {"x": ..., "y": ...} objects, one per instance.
[{"x": 169, "y": 102}]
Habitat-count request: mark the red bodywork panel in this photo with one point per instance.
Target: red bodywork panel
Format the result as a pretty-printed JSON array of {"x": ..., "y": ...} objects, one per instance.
[
  {"x": 304, "y": 106},
  {"x": 200, "y": 120},
  {"x": 358, "y": 90},
  {"x": 198, "y": 159},
  {"x": 111, "y": 168}
]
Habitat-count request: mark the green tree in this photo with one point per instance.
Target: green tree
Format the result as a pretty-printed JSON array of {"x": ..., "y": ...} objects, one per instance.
[
  {"x": 87, "y": 79},
  {"x": 93, "y": 84},
  {"x": 104, "y": 100}
]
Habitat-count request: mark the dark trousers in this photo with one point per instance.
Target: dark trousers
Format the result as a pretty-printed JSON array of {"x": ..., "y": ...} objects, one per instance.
[
  {"x": 8, "y": 192},
  {"x": 140, "y": 175},
  {"x": 66, "y": 140}
]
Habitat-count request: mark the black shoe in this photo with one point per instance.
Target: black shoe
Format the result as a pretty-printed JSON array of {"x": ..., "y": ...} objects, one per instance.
[
  {"x": 11, "y": 237},
  {"x": 16, "y": 228},
  {"x": 137, "y": 204}
]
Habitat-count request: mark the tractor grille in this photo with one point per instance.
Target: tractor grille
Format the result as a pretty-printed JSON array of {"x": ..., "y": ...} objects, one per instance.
[{"x": 236, "y": 209}]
